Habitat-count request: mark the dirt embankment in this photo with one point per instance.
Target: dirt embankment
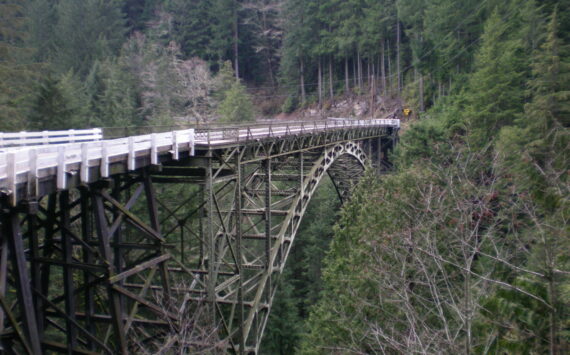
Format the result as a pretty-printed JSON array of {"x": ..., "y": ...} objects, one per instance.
[{"x": 344, "y": 107}]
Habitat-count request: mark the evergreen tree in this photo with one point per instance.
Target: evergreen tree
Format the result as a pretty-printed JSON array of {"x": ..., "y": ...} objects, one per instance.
[
  {"x": 300, "y": 17},
  {"x": 495, "y": 92},
  {"x": 41, "y": 24},
  {"x": 85, "y": 32},
  {"x": 139, "y": 12},
  {"x": 16, "y": 71},
  {"x": 59, "y": 104},
  {"x": 536, "y": 153},
  {"x": 192, "y": 27},
  {"x": 543, "y": 132},
  {"x": 225, "y": 40},
  {"x": 113, "y": 95},
  {"x": 236, "y": 106}
]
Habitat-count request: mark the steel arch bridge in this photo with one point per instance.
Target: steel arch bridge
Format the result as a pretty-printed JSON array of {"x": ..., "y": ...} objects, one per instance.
[{"x": 175, "y": 238}]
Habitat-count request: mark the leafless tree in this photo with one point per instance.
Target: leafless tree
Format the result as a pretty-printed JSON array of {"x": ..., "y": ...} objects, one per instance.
[{"x": 192, "y": 332}]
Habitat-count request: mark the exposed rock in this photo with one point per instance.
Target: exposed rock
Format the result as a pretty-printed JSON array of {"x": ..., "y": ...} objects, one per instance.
[
  {"x": 360, "y": 108},
  {"x": 342, "y": 105}
]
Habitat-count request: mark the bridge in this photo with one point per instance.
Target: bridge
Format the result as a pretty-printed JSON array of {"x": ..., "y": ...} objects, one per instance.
[{"x": 175, "y": 238}]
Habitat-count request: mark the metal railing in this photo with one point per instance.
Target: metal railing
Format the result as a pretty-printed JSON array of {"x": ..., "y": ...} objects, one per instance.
[{"x": 220, "y": 132}]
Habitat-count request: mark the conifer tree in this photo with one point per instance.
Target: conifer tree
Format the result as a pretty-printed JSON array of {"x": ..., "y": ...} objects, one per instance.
[
  {"x": 300, "y": 19},
  {"x": 85, "y": 32},
  {"x": 192, "y": 23},
  {"x": 112, "y": 94},
  {"x": 236, "y": 105},
  {"x": 41, "y": 25},
  {"x": 495, "y": 91},
  {"x": 59, "y": 104},
  {"x": 542, "y": 132},
  {"x": 16, "y": 72}
]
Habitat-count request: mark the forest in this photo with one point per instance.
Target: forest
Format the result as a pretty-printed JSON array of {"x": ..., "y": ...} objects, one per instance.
[{"x": 463, "y": 248}]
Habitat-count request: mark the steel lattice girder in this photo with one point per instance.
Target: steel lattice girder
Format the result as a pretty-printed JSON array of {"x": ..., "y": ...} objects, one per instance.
[
  {"x": 250, "y": 237},
  {"x": 119, "y": 264}
]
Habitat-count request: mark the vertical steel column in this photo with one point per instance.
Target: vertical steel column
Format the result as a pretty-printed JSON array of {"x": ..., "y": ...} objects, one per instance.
[
  {"x": 47, "y": 253},
  {"x": 155, "y": 224},
  {"x": 210, "y": 235},
  {"x": 107, "y": 255},
  {"x": 22, "y": 280},
  {"x": 379, "y": 153},
  {"x": 201, "y": 215},
  {"x": 238, "y": 221},
  {"x": 268, "y": 215},
  {"x": 118, "y": 240},
  {"x": 3, "y": 266},
  {"x": 33, "y": 240},
  {"x": 88, "y": 258},
  {"x": 67, "y": 251}
]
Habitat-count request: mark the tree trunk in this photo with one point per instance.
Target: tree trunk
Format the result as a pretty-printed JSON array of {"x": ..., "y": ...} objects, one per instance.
[
  {"x": 236, "y": 40},
  {"x": 383, "y": 67},
  {"x": 398, "y": 39},
  {"x": 374, "y": 76},
  {"x": 372, "y": 84},
  {"x": 368, "y": 73},
  {"x": 377, "y": 73},
  {"x": 422, "y": 104},
  {"x": 267, "y": 50},
  {"x": 359, "y": 66},
  {"x": 331, "y": 84},
  {"x": 552, "y": 317},
  {"x": 390, "y": 75},
  {"x": 354, "y": 73},
  {"x": 467, "y": 314},
  {"x": 320, "y": 83},
  {"x": 346, "y": 79},
  {"x": 303, "y": 93}
]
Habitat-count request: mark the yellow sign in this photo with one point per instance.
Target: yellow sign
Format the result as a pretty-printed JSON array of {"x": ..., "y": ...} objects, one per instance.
[{"x": 407, "y": 112}]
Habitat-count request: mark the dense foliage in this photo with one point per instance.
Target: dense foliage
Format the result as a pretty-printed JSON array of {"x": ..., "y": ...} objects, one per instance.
[{"x": 465, "y": 249}]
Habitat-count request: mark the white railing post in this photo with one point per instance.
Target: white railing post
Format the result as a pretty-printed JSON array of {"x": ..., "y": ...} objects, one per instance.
[
  {"x": 33, "y": 173},
  {"x": 24, "y": 138},
  {"x": 175, "y": 152},
  {"x": 153, "y": 150},
  {"x": 11, "y": 175},
  {"x": 61, "y": 176},
  {"x": 131, "y": 156},
  {"x": 104, "y": 160},
  {"x": 191, "y": 140},
  {"x": 84, "y": 173}
]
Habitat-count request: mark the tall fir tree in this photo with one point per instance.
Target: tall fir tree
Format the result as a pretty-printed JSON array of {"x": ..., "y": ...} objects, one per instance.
[
  {"x": 495, "y": 92},
  {"x": 86, "y": 31},
  {"x": 17, "y": 73},
  {"x": 60, "y": 103}
]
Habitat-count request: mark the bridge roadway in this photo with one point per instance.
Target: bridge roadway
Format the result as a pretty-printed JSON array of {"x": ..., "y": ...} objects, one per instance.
[{"x": 175, "y": 238}]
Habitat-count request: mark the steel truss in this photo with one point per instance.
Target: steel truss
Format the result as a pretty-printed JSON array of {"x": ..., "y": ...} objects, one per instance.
[{"x": 126, "y": 263}]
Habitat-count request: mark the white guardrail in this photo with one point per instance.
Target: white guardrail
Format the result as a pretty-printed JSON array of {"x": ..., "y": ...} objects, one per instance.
[
  {"x": 29, "y": 161},
  {"x": 18, "y": 139},
  {"x": 55, "y": 154}
]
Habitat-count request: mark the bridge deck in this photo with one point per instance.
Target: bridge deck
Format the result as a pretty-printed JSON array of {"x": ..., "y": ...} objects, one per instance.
[{"x": 94, "y": 160}]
